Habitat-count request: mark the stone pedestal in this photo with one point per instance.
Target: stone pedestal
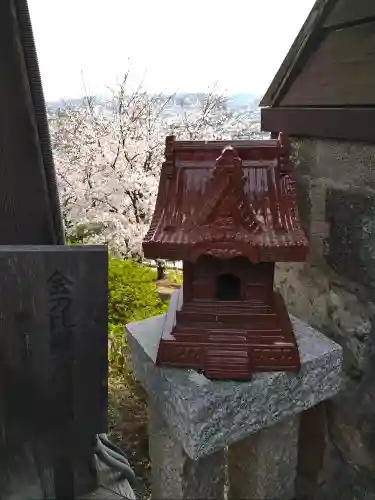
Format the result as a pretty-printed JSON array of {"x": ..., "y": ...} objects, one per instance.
[
  {"x": 174, "y": 473},
  {"x": 264, "y": 464},
  {"x": 194, "y": 420}
]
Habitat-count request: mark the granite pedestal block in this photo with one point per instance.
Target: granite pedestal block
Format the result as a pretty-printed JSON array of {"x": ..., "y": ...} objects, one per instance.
[{"x": 193, "y": 420}]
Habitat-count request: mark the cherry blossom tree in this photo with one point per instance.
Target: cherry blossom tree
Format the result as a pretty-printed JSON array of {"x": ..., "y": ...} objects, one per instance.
[{"x": 108, "y": 157}]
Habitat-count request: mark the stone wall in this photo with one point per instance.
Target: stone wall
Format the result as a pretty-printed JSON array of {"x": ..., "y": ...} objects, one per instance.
[{"x": 335, "y": 292}]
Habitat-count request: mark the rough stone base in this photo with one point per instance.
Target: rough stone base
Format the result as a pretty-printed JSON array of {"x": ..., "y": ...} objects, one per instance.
[
  {"x": 264, "y": 464},
  {"x": 193, "y": 419},
  {"x": 174, "y": 474},
  {"x": 206, "y": 416}
]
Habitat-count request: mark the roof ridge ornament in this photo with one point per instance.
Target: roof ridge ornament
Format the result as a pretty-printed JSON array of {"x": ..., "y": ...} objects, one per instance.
[
  {"x": 229, "y": 157},
  {"x": 169, "y": 155}
]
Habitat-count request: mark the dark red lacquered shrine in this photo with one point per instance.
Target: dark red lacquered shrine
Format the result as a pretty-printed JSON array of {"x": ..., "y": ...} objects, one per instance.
[{"x": 228, "y": 210}]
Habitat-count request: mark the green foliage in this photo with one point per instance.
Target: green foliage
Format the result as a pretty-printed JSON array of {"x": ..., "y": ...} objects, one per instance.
[
  {"x": 175, "y": 277},
  {"x": 132, "y": 296},
  {"x": 79, "y": 235}
]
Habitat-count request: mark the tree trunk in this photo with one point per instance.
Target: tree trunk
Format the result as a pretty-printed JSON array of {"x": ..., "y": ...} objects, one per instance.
[{"x": 161, "y": 270}]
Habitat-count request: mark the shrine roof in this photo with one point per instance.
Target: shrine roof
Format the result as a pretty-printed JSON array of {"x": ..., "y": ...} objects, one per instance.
[{"x": 226, "y": 198}]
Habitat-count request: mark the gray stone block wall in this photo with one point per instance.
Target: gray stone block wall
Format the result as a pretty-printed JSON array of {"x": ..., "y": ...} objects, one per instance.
[{"x": 335, "y": 292}]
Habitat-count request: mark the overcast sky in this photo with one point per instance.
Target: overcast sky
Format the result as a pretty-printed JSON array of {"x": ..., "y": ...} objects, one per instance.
[{"x": 171, "y": 45}]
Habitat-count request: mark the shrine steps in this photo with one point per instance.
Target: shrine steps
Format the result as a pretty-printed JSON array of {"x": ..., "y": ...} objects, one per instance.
[
  {"x": 231, "y": 340},
  {"x": 237, "y": 361},
  {"x": 256, "y": 313},
  {"x": 228, "y": 337}
]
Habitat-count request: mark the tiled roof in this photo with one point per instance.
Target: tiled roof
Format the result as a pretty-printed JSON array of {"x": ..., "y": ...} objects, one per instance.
[{"x": 250, "y": 207}]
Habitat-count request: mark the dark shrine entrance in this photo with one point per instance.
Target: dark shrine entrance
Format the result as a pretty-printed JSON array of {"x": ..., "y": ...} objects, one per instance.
[{"x": 228, "y": 287}]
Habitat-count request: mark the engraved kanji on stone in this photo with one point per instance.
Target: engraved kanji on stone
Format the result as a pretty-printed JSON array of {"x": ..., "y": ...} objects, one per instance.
[{"x": 61, "y": 326}]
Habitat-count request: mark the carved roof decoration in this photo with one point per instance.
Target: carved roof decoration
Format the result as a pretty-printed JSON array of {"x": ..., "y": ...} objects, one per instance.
[{"x": 226, "y": 199}]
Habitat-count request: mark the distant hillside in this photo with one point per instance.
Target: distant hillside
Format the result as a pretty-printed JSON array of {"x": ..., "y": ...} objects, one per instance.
[
  {"x": 234, "y": 101},
  {"x": 243, "y": 99},
  {"x": 55, "y": 105}
]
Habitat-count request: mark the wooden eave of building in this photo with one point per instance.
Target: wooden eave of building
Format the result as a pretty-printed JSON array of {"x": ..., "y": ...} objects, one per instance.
[{"x": 325, "y": 87}]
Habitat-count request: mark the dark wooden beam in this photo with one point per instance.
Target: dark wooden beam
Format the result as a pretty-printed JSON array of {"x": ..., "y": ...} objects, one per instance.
[
  {"x": 352, "y": 124},
  {"x": 305, "y": 43},
  {"x": 340, "y": 73},
  {"x": 347, "y": 11},
  {"x": 26, "y": 213}
]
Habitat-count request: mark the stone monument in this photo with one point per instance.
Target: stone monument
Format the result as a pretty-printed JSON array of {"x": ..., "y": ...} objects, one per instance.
[{"x": 53, "y": 367}]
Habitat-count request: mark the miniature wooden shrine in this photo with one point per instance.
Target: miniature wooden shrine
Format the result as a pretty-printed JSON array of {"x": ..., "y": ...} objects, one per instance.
[{"x": 228, "y": 210}]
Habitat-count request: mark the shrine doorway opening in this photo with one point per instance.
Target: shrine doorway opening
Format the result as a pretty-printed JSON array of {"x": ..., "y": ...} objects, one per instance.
[{"x": 228, "y": 287}]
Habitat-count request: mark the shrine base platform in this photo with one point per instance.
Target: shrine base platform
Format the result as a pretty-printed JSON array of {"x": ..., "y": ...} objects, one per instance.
[
  {"x": 229, "y": 340},
  {"x": 261, "y": 428}
]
